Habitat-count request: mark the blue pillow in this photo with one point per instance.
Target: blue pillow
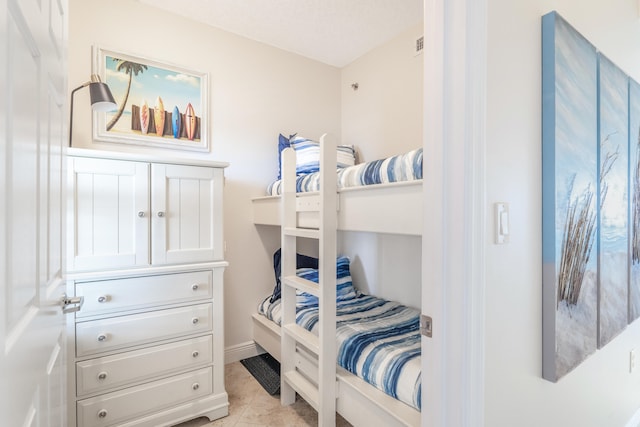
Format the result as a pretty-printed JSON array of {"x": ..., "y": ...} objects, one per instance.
[
  {"x": 302, "y": 261},
  {"x": 307, "y": 267},
  {"x": 283, "y": 142},
  {"x": 344, "y": 289}
]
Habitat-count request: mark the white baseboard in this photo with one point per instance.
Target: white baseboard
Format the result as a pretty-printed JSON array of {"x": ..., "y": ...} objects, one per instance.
[
  {"x": 241, "y": 351},
  {"x": 635, "y": 420}
]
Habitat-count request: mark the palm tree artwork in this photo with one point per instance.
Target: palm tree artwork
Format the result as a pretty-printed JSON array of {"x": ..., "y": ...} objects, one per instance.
[
  {"x": 134, "y": 83},
  {"x": 131, "y": 69}
]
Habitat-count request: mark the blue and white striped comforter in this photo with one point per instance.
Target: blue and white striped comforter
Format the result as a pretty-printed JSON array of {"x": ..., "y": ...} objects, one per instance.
[
  {"x": 377, "y": 340},
  {"x": 403, "y": 167}
]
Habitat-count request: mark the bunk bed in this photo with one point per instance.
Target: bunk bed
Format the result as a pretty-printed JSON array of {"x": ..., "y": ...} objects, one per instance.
[
  {"x": 321, "y": 214},
  {"x": 386, "y": 186}
]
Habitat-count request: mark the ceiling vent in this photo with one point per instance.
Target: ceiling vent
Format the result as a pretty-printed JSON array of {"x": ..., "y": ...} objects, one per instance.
[{"x": 419, "y": 46}]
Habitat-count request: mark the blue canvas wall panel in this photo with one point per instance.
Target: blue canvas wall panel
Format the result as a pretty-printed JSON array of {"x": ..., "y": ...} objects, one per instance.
[
  {"x": 569, "y": 204},
  {"x": 613, "y": 249},
  {"x": 634, "y": 206}
]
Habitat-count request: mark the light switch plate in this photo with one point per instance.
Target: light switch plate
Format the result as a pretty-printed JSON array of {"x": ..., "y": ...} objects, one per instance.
[{"x": 501, "y": 223}]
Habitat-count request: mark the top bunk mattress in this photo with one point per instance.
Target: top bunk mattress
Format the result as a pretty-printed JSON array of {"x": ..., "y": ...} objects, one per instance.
[{"x": 399, "y": 168}]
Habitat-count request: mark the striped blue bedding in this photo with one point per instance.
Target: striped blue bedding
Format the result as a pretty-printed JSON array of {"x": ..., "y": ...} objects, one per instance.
[
  {"x": 377, "y": 340},
  {"x": 402, "y": 167}
]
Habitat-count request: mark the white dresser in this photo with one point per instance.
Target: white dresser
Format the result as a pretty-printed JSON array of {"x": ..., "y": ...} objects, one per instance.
[{"x": 145, "y": 251}]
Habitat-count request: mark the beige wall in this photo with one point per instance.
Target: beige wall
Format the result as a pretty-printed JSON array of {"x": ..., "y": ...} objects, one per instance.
[
  {"x": 256, "y": 92},
  {"x": 384, "y": 116},
  {"x": 601, "y": 391}
]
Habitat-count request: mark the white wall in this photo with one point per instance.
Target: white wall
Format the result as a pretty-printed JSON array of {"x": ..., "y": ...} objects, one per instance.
[
  {"x": 601, "y": 391},
  {"x": 256, "y": 91},
  {"x": 387, "y": 266}
]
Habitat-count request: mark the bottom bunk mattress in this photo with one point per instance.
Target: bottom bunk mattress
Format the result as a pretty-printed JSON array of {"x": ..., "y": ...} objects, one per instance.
[{"x": 377, "y": 340}]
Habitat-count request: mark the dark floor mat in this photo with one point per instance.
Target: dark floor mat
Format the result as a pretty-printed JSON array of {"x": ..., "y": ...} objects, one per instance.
[{"x": 266, "y": 370}]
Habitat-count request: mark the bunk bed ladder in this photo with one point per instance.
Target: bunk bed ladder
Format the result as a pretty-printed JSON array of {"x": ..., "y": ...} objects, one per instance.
[{"x": 308, "y": 362}]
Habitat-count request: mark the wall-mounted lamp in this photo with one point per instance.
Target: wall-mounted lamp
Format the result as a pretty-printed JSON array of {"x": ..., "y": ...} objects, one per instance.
[{"x": 101, "y": 98}]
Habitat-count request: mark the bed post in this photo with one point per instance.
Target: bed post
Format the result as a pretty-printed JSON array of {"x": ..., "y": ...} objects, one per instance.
[
  {"x": 308, "y": 365},
  {"x": 288, "y": 246},
  {"x": 327, "y": 280}
]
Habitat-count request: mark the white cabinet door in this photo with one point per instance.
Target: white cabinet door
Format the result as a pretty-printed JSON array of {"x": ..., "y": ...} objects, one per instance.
[
  {"x": 186, "y": 223},
  {"x": 108, "y": 220}
]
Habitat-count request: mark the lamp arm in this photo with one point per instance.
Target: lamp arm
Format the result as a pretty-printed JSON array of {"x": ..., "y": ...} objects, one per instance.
[{"x": 73, "y": 92}]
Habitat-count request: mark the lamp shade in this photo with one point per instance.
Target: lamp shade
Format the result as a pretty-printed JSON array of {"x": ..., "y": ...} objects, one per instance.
[{"x": 101, "y": 97}]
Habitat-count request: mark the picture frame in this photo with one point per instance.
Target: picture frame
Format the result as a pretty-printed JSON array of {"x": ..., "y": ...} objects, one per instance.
[
  {"x": 569, "y": 198},
  {"x": 590, "y": 199},
  {"x": 158, "y": 104}
]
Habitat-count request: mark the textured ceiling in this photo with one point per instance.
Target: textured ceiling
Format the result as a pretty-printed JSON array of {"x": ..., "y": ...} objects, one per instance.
[{"x": 331, "y": 31}]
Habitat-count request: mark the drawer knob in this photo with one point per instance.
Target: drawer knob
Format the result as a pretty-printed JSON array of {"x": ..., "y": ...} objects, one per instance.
[
  {"x": 103, "y": 298},
  {"x": 141, "y": 214},
  {"x": 160, "y": 214},
  {"x": 195, "y": 354},
  {"x": 102, "y": 376},
  {"x": 102, "y": 337},
  {"x": 194, "y": 320},
  {"x": 194, "y": 286},
  {"x": 102, "y": 413},
  {"x": 195, "y": 386}
]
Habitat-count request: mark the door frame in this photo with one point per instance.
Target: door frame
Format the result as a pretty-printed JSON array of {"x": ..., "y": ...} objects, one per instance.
[{"x": 454, "y": 238}]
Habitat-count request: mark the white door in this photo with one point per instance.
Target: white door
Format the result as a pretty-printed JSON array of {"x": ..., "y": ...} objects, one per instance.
[
  {"x": 186, "y": 205},
  {"x": 108, "y": 218},
  {"x": 32, "y": 122}
]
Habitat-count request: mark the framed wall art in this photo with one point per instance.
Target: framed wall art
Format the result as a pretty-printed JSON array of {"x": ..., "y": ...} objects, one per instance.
[
  {"x": 158, "y": 104},
  {"x": 590, "y": 198},
  {"x": 569, "y": 197}
]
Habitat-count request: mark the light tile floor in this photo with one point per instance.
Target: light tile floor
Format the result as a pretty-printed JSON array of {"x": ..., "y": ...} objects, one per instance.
[{"x": 250, "y": 406}]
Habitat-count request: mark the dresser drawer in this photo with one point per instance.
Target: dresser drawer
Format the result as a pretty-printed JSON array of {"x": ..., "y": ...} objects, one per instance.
[
  {"x": 113, "y": 408},
  {"x": 97, "y": 375},
  {"x": 111, "y": 296},
  {"x": 114, "y": 333}
]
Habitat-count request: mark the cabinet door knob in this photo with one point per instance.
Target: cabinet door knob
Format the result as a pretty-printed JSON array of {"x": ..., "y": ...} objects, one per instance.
[
  {"x": 102, "y": 337},
  {"x": 195, "y": 354},
  {"x": 102, "y": 413},
  {"x": 141, "y": 214},
  {"x": 102, "y": 376},
  {"x": 194, "y": 286},
  {"x": 103, "y": 298},
  {"x": 160, "y": 214},
  {"x": 195, "y": 386},
  {"x": 194, "y": 320}
]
